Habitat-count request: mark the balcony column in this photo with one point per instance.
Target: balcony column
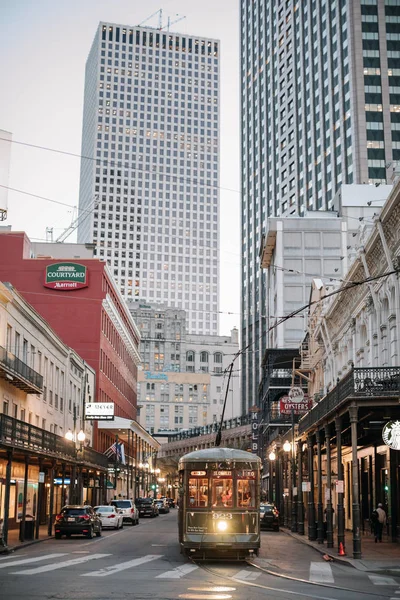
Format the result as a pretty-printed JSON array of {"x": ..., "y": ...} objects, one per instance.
[
  {"x": 22, "y": 525},
  {"x": 312, "y": 534},
  {"x": 320, "y": 508},
  {"x": 329, "y": 512},
  {"x": 51, "y": 504},
  {"x": 356, "y": 517},
  {"x": 340, "y": 506},
  {"x": 7, "y": 496},
  {"x": 63, "y": 490},
  {"x": 39, "y": 501},
  {"x": 300, "y": 506}
]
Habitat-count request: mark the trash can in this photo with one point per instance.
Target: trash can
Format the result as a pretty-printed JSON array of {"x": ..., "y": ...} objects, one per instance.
[{"x": 29, "y": 531}]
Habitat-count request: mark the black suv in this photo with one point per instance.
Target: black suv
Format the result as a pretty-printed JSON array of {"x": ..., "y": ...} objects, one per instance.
[
  {"x": 146, "y": 507},
  {"x": 77, "y": 519}
]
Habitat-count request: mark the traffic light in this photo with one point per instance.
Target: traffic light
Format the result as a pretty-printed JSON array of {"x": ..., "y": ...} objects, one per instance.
[{"x": 153, "y": 486}]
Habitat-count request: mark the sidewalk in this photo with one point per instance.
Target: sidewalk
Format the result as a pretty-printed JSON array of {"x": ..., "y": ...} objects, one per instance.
[
  {"x": 15, "y": 544},
  {"x": 383, "y": 558}
]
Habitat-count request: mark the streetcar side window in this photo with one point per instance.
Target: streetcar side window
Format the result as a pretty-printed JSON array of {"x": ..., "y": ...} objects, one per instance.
[
  {"x": 222, "y": 492},
  {"x": 246, "y": 490},
  {"x": 198, "y": 492}
]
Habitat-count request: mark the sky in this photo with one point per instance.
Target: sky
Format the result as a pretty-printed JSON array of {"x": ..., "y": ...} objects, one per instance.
[{"x": 43, "y": 48}]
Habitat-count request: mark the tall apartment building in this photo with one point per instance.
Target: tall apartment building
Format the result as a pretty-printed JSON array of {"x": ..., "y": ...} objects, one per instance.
[
  {"x": 320, "y": 108},
  {"x": 183, "y": 381},
  {"x": 151, "y": 121}
]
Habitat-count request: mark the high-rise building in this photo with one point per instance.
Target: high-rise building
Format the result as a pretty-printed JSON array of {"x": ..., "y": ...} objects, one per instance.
[
  {"x": 320, "y": 101},
  {"x": 150, "y": 166}
]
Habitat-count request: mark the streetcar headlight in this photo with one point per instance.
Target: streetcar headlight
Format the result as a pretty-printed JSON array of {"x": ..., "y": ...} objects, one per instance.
[{"x": 222, "y": 525}]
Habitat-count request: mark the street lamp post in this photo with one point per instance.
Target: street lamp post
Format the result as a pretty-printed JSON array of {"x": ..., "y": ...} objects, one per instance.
[
  {"x": 272, "y": 478},
  {"x": 293, "y": 469},
  {"x": 79, "y": 439},
  {"x": 286, "y": 449}
]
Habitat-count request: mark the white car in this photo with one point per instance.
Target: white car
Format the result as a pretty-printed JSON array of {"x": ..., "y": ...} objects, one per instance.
[
  {"x": 129, "y": 511},
  {"x": 110, "y": 516}
]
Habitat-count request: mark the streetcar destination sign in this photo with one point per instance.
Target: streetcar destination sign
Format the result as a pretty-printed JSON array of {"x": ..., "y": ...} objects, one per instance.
[{"x": 66, "y": 276}]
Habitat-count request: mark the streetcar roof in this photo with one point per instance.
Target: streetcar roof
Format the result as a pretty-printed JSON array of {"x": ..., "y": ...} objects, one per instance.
[{"x": 220, "y": 455}]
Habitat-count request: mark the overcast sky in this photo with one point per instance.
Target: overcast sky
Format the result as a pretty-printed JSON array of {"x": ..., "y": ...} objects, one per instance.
[{"x": 43, "y": 48}]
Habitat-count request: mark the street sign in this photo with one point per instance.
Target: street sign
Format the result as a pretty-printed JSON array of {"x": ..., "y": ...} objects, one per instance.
[
  {"x": 99, "y": 411},
  {"x": 41, "y": 476},
  {"x": 340, "y": 486}
]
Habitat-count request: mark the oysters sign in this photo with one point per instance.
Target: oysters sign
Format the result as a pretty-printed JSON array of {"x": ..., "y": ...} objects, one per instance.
[{"x": 66, "y": 276}]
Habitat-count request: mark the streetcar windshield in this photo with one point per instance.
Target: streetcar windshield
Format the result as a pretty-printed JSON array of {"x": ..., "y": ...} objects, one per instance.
[
  {"x": 222, "y": 491},
  {"x": 246, "y": 492},
  {"x": 198, "y": 492}
]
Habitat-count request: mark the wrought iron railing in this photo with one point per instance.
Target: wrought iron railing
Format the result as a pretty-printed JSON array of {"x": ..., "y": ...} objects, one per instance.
[
  {"x": 19, "y": 368},
  {"x": 90, "y": 456},
  {"x": 23, "y": 435},
  {"x": 213, "y": 428},
  {"x": 358, "y": 383}
]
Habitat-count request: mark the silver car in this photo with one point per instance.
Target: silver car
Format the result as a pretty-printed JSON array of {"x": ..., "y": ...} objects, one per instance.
[{"x": 128, "y": 509}]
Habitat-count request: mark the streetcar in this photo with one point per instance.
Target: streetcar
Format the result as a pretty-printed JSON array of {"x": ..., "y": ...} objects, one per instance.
[{"x": 219, "y": 500}]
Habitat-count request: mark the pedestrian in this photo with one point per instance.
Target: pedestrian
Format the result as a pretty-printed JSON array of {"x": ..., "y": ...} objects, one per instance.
[{"x": 378, "y": 518}]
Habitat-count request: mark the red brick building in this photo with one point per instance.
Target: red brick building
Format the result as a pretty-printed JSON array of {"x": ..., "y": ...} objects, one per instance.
[{"x": 80, "y": 300}]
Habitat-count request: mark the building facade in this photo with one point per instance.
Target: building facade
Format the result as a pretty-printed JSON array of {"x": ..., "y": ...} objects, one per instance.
[
  {"x": 183, "y": 382},
  {"x": 151, "y": 120},
  {"x": 353, "y": 377},
  {"x": 44, "y": 386},
  {"x": 79, "y": 299},
  {"x": 320, "y": 108}
]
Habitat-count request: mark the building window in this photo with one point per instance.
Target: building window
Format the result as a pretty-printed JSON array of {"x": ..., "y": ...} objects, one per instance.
[
  {"x": 204, "y": 357},
  {"x": 218, "y": 357},
  {"x": 190, "y": 356}
]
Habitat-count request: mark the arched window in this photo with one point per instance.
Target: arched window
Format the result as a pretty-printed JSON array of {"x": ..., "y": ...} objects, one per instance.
[
  {"x": 190, "y": 356},
  {"x": 218, "y": 357},
  {"x": 204, "y": 357}
]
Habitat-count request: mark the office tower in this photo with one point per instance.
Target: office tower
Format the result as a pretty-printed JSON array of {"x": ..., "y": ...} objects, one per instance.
[
  {"x": 151, "y": 121},
  {"x": 320, "y": 108}
]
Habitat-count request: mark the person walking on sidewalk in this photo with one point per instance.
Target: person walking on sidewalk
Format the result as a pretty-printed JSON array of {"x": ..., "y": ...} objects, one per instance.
[{"x": 378, "y": 518}]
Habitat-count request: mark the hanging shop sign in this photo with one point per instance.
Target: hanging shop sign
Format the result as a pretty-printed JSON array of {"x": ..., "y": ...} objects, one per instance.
[
  {"x": 66, "y": 276},
  {"x": 299, "y": 408},
  {"x": 296, "y": 394},
  {"x": 99, "y": 411},
  {"x": 391, "y": 435}
]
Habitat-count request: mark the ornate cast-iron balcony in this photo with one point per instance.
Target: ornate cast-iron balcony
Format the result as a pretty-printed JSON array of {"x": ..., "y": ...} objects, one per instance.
[
  {"x": 363, "y": 384},
  {"x": 19, "y": 374}
]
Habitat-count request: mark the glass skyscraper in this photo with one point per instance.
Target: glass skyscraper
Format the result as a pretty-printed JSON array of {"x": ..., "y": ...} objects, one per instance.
[
  {"x": 320, "y": 107},
  {"x": 150, "y": 167}
]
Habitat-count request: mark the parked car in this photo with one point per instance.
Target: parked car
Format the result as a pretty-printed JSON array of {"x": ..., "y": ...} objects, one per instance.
[
  {"x": 269, "y": 516},
  {"x": 162, "y": 504},
  {"x": 146, "y": 507},
  {"x": 77, "y": 519},
  {"x": 171, "y": 502},
  {"x": 110, "y": 516},
  {"x": 129, "y": 511}
]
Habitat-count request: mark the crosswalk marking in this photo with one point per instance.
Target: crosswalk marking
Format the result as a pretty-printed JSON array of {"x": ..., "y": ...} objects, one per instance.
[
  {"x": 380, "y": 580},
  {"x": 178, "y": 572},
  {"x": 247, "y": 574},
  {"x": 11, "y": 556},
  {"x": 122, "y": 566},
  {"x": 321, "y": 572},
  {"x": 25, "y": 561},
  {"x": 61, "y": 565}
]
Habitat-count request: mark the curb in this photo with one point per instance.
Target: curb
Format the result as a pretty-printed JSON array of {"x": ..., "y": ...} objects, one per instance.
[
  {"x": 348, "y": 562},
  {"x": 10, "y": 549}
]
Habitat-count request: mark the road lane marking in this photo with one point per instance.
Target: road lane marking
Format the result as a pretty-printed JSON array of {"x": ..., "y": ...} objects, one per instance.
[
  {"x": 25, "y": 561},
  {"x": 12, "y": 556},
  {"x": 247, "y": 574},
  {"x": 321, "y": 572},
  {"x": 122, "y": 566},
  {"x": 380, "y": 580},
  {"x": 178, "y": 572},
  {"x": 61, "y": 565}
]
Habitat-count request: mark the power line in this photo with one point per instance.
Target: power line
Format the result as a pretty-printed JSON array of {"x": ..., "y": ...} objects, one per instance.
[{"x": 119, "y": 165}]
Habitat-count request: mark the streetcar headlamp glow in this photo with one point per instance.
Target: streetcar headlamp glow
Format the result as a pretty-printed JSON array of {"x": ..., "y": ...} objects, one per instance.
[{"x": 222, "y": 525}]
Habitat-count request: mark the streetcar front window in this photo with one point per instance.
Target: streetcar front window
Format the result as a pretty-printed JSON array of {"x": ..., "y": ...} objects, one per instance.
[
  {"x": 198, "y": 492},
  {"x": 222, "y": 492},
  {"x": 246, "y": 492}
]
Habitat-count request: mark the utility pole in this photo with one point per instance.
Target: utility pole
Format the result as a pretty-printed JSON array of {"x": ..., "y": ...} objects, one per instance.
[{"x": 116, "y": 462}]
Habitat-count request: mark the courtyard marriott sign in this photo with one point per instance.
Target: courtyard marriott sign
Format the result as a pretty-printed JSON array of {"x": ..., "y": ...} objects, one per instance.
[{"x": 66, "y": 276}]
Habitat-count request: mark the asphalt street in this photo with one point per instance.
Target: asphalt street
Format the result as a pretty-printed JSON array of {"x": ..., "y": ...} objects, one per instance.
[{"x": 144, "y": 562}]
